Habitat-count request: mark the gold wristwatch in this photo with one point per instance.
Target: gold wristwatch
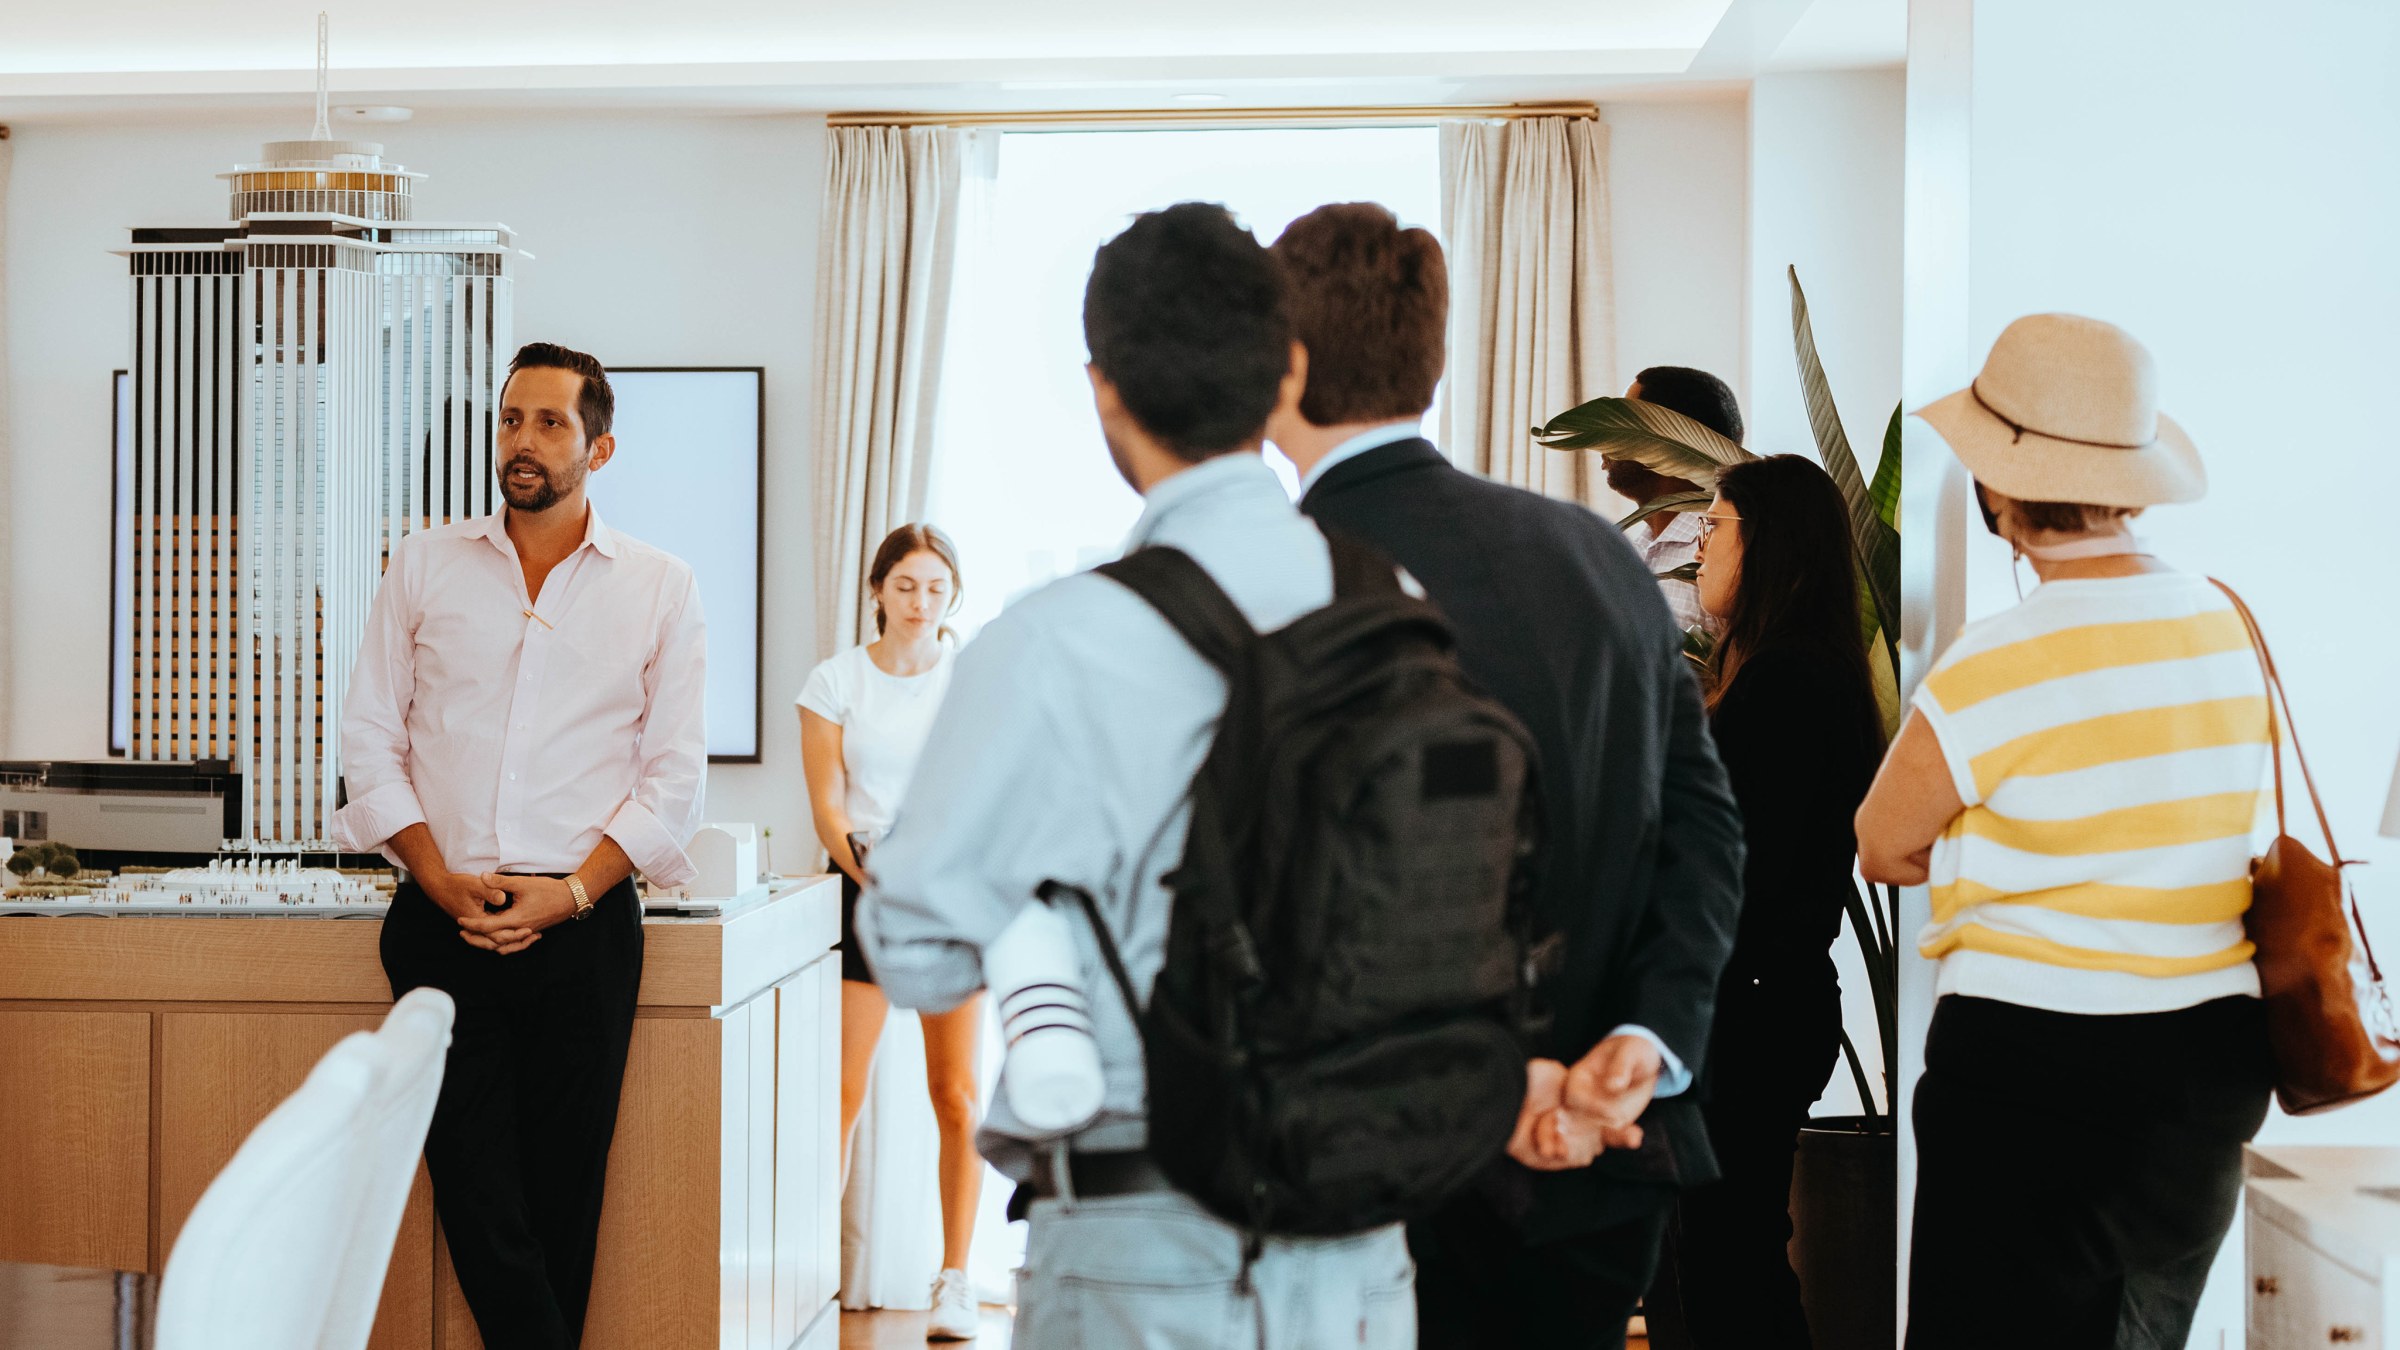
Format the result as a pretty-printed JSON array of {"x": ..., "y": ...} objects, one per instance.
[{"x": 583, "y": 899}]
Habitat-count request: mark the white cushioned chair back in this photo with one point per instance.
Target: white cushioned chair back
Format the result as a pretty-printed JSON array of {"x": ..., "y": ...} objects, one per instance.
[{"x": 288, "y": 1246}]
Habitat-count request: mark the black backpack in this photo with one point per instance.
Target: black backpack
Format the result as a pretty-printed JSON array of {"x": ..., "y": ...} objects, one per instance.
[{"x": 1337, "y": 1039}]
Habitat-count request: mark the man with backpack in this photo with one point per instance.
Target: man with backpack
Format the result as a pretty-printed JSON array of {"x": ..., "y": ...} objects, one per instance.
[
  {"x": 1290, "y": 844},
  {"x": 1559, "y": 620}
]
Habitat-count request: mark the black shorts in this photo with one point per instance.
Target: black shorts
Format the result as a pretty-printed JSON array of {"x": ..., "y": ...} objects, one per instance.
[{"x": 854, "y": 957}]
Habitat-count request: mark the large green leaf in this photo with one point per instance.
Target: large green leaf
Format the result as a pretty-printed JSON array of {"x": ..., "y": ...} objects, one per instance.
[
  {"x": 1688, "y": 572},
  {"x": 1673, "y": 501},
  {"x": 1883, "y": 667},
  {"x": 1881, "y": 958},
  {"x": 1878, "y": 543},
  {"x": 1885, "y": 490},
  {"x": 1659, "y": 439}
]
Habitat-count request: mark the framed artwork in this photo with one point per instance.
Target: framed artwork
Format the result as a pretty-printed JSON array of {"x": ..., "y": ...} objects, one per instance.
[
  {"x": 689, "y": 477},
  {"x": 120, "y": 563}
]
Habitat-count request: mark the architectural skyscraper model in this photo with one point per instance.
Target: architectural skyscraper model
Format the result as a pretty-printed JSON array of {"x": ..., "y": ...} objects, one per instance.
[{"x": 311, "y": 381}]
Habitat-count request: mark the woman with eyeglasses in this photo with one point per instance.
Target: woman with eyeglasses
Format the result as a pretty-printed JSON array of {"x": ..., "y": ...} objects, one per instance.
[{"x": 1792, "y": 707}]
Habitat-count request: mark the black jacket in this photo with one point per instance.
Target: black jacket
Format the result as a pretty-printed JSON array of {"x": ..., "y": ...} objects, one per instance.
[
  {"x": 1801, "y": 740},
  {"x": 1558, "y": 618}
]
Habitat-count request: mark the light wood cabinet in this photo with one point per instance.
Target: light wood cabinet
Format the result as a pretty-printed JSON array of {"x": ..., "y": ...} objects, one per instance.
[
  {"x": 137, "y": 1053},
  {"x": 2322, "y": 1263},
  {"x": 75, "y": 1121}
]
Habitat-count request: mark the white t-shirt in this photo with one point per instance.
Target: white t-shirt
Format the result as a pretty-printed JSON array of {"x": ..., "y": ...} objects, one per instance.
[{"x": 885, "y": 719}]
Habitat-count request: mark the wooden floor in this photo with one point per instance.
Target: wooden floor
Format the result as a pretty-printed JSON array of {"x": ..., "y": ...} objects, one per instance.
[{"x": 906, "y": 1331}]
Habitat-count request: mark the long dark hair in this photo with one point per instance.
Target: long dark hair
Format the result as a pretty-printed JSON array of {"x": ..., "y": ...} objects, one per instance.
[
  {"x": 1799, "y": 582},
  {"x": 913, "y": 538}
]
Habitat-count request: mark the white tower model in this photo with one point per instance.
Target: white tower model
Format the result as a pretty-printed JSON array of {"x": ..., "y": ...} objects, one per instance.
[{"x": 310, "y": 382}]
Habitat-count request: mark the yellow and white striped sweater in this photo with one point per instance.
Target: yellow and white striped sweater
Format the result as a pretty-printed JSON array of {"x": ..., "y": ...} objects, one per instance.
[{"x": 2109, "y": 739}]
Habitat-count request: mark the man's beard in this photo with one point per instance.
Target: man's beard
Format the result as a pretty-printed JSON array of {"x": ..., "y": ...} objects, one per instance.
[{"x": 543, "y": 495}]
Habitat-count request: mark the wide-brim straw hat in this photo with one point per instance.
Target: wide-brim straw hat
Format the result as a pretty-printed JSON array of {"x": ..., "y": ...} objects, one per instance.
[{"x": 2066, "y": 410}]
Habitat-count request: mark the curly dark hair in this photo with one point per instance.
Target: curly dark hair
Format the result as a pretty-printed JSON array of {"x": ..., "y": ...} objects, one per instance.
[{"x": 1185, "y": 315}]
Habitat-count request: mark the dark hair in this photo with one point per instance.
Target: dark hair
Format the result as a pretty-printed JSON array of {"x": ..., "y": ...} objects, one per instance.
[
  {"x": 913, "y": 538},
  {"x": 595, "y": 403},
  {"x": 1371, "y": 302},
  {"x": 1185, "y": 315},
  {"x": 1696, "y": 394},
  {"x": 2070, "y": 517},
  {"x": 1799, "y": 582}
]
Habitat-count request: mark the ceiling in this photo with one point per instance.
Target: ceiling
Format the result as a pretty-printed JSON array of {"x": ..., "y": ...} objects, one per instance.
[{"x": 108, "y": 60}]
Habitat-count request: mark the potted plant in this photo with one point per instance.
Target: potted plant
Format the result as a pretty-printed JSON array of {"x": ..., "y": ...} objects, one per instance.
[{"x": 1844, "y": 1185}]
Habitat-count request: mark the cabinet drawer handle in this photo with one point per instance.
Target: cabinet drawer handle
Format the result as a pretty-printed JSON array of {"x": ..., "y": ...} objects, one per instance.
[
  {"x": 2268, "y": 1284},
  {"x": 2343, "y": 1335}
]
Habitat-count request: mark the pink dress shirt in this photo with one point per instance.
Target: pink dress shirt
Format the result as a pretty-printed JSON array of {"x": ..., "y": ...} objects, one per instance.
[{"x": 520, "y": 741}]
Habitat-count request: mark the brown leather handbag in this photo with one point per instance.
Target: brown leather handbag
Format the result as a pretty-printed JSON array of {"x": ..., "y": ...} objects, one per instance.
[{"x": 2329, "y": 1017}]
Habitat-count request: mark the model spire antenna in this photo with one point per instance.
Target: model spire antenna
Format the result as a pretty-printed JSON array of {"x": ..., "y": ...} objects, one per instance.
[{"x": 324, "y": 132}]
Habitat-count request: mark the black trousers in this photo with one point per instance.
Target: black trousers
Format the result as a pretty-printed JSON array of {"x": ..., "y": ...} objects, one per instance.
[
  {"x": 519, "y": 1145},
  {"x": 2077, "y": 1174},
  {"x": 1481, "y": 1286},
  {"x": 1725, "y": 1277}
]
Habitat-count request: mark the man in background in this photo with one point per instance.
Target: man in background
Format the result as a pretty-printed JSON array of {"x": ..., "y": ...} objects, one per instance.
[
  {"x": 524, "y": 730},
  {"x": 1557, "y": 617},
  {"x": 1671, "y": 539}
]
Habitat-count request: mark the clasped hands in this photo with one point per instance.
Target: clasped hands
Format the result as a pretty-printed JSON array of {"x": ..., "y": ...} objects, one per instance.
[
  {"x": 1574, "y": 1114},
  {"x": 500, "y": 913}
]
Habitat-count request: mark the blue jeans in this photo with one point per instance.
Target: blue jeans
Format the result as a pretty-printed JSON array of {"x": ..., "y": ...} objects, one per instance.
[{"x": 1157, "y": 1272}]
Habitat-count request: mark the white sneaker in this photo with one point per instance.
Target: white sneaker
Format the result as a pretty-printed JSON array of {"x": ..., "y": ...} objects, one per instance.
[{"x": 955, "y": 1316}]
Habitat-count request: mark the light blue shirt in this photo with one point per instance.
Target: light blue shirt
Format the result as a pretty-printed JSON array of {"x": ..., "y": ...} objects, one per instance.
[{"x": 1065, "y": 750}]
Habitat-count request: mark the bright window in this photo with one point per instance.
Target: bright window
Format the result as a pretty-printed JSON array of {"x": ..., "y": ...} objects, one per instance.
[{"x": 1021, "y": 479}]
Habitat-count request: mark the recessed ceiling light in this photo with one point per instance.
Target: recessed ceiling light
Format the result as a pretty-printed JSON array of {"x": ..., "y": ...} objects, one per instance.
[
  {"x": 1199, "y": 98},
  {"x": 373, "y": 112}
]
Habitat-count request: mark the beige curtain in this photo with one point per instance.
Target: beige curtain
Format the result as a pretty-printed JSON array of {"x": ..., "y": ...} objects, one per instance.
[
  {"x": 884, "y": 269},
  {"x": 903, "y": 216},
  {"x": 1532, "y": 310}
]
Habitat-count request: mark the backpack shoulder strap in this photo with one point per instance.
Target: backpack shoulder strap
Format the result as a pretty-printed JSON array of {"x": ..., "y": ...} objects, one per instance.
[
  {"x": 1359, "y": 568},
  {"x": 1188, "y": 598}
]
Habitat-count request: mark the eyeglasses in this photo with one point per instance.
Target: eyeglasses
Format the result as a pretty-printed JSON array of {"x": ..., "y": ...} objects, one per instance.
[{"x": 1709, "y": 524}]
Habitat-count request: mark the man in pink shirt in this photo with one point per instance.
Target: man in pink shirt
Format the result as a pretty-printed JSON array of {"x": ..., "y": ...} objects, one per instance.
[{"x": 523, "y": 732}]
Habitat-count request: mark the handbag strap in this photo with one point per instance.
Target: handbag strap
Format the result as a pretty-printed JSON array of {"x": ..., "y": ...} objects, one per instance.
[{"x": 2276, "y": 691}]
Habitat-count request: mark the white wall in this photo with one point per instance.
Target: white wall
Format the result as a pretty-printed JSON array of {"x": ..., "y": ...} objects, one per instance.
[
  {"x": 1678, "y": 209},
  {"x": 1825, "y": 157},
  {"x": 657, "y": 241},
  {"x": 2221, "y": 179},
  {"x": 1825, "y": 198}
]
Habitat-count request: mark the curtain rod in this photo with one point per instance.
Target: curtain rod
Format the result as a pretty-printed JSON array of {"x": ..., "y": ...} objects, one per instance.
[{"x": 1108, "y": 119}]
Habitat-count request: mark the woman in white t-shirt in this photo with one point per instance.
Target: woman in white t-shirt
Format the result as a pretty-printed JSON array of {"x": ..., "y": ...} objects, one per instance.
[{"x": 864, "y": 717}]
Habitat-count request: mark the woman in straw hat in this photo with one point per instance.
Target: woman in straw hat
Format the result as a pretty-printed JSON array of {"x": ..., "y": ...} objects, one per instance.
[{"x": 2077, "y": 782}]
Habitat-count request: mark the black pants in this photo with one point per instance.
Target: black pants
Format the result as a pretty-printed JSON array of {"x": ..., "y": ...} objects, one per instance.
[
  {"x": 1725, "y": 1277},
  {"x": 519, "y": 1145},
  {"x": 2076, "y": 1175},
  {"x": 1481, "y": 1286}
]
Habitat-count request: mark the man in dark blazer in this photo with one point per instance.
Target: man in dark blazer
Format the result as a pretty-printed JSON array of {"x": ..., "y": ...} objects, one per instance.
[{"x": 1642, "y": 858}]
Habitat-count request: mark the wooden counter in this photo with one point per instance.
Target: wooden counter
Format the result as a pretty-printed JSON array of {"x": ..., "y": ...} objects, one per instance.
[{"x": 137, "y": 1053}]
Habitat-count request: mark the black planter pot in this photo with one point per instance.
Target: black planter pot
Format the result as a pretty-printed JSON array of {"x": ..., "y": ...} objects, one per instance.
[{"x": 1845, "y": 1237}]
